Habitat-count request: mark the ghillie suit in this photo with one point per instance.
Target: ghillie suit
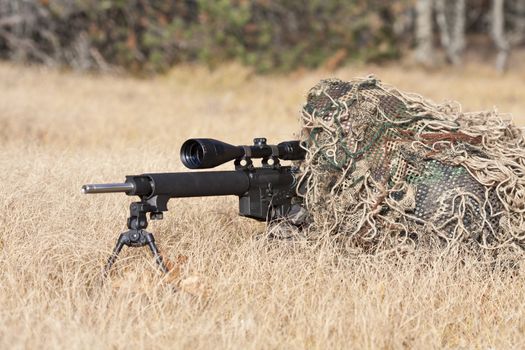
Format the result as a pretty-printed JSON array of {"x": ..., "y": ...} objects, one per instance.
[{"x": 385, "y": 167}]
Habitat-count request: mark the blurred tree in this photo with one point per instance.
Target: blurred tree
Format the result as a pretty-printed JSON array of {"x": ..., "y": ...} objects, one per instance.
[
  {"x": 507, "y": 28},
  {"x": 424, "y": 32},
  {"x": 517, "y": 17},
  {"x": 498, "y": 34},
  {"x": 451, "y": 16}
]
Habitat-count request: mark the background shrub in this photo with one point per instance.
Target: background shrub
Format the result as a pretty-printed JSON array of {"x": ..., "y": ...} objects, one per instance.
[{"x": 151, "y": 36}]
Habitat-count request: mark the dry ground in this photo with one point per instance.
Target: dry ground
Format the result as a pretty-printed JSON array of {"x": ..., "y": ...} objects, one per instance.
[{"x": 60, "y": 130}]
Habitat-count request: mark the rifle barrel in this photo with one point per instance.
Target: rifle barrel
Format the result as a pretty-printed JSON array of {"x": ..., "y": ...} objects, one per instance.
[{"x": 108, "y": 188}]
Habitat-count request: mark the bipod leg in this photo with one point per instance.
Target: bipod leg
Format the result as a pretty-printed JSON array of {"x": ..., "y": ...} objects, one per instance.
[
  {"x": 153, "y": 247},
  {"x": 122, "y": 240},
  {"x": 113, "y": 256}
]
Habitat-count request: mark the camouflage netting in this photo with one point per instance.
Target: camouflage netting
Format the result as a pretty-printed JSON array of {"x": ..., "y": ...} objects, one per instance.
[{"x": 386, "y": 167}]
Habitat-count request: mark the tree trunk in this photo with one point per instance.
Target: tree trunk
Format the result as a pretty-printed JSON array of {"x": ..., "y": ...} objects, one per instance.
[
  {"x": 424, "y": 37},
  {"x": 498, "y": 34},
  {"x": 451, "y": 16},
  {"x": 517, "y": 21}
]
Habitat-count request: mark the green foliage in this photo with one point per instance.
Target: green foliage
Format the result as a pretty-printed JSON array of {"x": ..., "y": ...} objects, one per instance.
[{"x": 152, "y": 36}]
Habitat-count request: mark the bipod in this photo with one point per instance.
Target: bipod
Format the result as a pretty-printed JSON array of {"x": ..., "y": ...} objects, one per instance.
[{"x": 137, "y": 236}]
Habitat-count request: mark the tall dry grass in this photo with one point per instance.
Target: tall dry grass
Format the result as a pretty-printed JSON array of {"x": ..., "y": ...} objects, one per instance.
[{"x": 60, "y": 130}]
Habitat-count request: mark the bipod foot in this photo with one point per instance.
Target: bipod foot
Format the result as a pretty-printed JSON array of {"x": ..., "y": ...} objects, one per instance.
[{"x": 135, "y": 238}]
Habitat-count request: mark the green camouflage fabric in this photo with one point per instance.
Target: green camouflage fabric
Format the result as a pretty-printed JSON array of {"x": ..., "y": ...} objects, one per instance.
[{"x": 386, "y": 167}]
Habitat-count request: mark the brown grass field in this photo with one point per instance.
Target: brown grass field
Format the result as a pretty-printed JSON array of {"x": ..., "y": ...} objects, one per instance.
[{"x": 60, "y": 130}]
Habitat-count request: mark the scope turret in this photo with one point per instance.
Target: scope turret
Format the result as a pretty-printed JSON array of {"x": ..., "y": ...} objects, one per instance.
[{"x": 209, "y": 153}]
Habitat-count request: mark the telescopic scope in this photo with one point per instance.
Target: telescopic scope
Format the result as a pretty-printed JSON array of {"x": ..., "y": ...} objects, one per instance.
[{"x": 209, "y": 153}]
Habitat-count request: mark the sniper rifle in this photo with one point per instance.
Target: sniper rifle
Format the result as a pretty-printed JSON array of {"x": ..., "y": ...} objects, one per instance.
[{"x": 266, "y": 193}]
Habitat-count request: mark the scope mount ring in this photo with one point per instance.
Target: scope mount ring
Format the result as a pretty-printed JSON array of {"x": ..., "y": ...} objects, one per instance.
[
  {"x": 248, "y": 163},
  {"x": 276, "y": 163},
  {"x": 274, "y": 157}
]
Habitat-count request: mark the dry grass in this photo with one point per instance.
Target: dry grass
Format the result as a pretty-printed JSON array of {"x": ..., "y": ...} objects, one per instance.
[{"x": 60, "y": 130}]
